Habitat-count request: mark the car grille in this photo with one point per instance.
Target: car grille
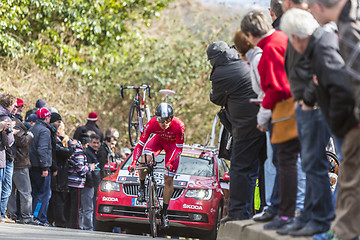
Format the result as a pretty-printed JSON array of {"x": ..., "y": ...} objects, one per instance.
[
  {"x": 131, "y": 211},
  {"x": 132, "y": 190}
]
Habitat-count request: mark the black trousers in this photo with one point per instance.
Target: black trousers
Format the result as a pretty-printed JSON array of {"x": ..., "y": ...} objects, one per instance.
[
  {"x": 288, "y": 153},
  {"x": 74, "y": 206},
  {"x": 56, "y": 210},
  {"x": 243, "y": 174}
]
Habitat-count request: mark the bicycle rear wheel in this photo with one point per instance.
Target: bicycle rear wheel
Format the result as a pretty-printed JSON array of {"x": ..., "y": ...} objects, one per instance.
[
  {"x": 152, "y": 208},
  {"x": 133, "y": 126}
]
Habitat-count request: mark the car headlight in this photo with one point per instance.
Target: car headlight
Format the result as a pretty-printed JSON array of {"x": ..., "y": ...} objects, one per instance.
[
  {"x": 108, "y": 186},
  {"x": 199, "y": 194}
]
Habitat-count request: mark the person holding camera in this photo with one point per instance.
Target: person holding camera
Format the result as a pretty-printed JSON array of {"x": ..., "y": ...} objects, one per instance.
[{"x": 7, "y": 104}]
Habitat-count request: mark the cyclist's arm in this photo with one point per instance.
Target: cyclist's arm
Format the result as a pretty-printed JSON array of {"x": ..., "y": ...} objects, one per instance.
[
  {"x": 179, "y": 144},
  {"x": 140, "y": 145}
]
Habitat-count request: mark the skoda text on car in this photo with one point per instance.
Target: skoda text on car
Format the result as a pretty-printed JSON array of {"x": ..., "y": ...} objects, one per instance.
[{"x": 199, "y": 201}]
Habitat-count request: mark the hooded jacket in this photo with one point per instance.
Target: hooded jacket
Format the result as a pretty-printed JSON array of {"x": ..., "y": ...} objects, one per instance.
[
  {"x": 334, "y": 94},
  {"x": 231, "y": 87},
  {"x": 7, "y": 139},
  {"x": 89, "y": 126}
]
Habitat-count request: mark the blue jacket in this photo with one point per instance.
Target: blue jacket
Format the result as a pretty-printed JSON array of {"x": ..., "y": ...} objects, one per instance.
[{"x": 40, "y": 149}]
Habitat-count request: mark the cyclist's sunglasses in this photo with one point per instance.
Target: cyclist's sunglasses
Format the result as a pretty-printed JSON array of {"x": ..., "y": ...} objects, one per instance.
[{"x": 163, "y": 120}]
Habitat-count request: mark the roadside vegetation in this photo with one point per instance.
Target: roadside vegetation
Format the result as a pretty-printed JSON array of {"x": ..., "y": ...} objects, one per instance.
[{"x": 76, "y": 54}]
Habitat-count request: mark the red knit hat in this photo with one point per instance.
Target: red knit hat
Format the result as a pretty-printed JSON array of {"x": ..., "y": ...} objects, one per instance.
[
  {"x": 43, "y": 113},
  {"x": 19, "y": 102},
  {"x": 92, "y": 117}
]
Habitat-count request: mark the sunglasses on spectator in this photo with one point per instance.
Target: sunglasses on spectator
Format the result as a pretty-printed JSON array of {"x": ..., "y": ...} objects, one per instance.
[{"x": 163, "y": 120}]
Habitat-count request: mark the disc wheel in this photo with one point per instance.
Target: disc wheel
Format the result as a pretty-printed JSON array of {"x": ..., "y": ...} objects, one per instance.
[{"x": 133, "y": 126}]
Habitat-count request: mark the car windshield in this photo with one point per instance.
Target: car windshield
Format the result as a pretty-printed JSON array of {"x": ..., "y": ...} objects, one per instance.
[{"x": 188, "y": 165}]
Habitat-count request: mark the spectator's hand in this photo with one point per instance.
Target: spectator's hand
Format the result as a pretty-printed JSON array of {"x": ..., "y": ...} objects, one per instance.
[
  {"x": 55, "y": 173},
  {"x": 262, "y": 128},
  {"x": 45, "y": 173},
  {"x": 132, "y": 167},
  {"x": 15, "y": 131},
  {"x": 169, "y": 167},
  {"x": 305, "y": 107},
  {"x": 92, "y": 166},
  {"x": 6, "y": 124}
]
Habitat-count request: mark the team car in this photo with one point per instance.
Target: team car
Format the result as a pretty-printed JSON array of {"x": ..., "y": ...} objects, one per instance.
[{"x": 199, "y": 201}]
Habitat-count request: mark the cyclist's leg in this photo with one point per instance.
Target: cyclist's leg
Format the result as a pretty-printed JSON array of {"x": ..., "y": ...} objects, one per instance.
[
  {"x": 153, "y": 146},
  {"x": 169, "y": 148}
]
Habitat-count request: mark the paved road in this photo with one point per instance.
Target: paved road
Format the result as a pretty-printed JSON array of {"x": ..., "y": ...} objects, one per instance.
[{"x": 28, "y": 232}]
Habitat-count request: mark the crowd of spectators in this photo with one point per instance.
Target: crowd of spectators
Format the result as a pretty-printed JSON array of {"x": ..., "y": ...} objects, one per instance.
[
  {"x": 46, "y": 177},
  {"x": 303, "y": 69}
]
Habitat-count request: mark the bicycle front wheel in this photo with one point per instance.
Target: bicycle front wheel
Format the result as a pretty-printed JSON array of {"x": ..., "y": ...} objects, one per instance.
[
  {"x": 152, "y": 208},
  {"x": 133, "y": 126}
]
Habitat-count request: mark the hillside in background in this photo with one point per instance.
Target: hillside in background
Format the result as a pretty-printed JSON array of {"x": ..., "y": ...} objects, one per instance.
[{"x": 81, "y": 73}]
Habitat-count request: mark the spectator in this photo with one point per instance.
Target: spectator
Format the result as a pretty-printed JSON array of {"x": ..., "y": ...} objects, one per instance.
[
  {"x": 258, "y": 30},
  {"x": 7, "y": 104},
  {"x": 276, "y": 12},
  {"x": 41, "y": 160},
  {"x": 231, "y": 87},
  {"x": 21, "y": 178},
  {"x": 78, "y": 168},
  {"x": 253, "y": 54},
  {"x": 314, "y": 135},
  {"x": 39, "y": 104},
  {"x": 20, "y": 107},
  {"x": 88, "y": 193},
  {"x": 30, "y": 120},
  {"x": 106, "y": 156},
  {"x": 336, "y": 102},
  {"x": 89, "y": 126},
  {"x": 59, "y": 181}
]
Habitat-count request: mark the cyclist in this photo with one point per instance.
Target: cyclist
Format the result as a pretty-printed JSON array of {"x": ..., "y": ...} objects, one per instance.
[{"x": 169, "y": 136}]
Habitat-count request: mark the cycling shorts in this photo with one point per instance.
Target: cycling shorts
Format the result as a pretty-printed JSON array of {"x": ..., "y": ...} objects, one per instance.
[{"x": 155, "y": 145}]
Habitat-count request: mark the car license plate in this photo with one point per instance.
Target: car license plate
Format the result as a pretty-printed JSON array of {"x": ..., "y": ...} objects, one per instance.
[{"x": 134, "y": 202}]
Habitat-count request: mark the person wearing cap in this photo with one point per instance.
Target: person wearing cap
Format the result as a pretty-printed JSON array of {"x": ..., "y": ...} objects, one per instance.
[
  {"x": 40, "y": 152},
  {"x": 40, "y": 103},
  {"x": 20, "y": 107},
  {"x": 231, "y": 87},
  {"x": 21, "y": 177},
  {"x": 89, "y": 126},
  {"x": 59, "y": 178},
  {"x": 30, "y": 120}
]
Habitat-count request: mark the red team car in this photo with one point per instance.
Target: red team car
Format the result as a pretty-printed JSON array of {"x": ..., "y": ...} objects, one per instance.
[{"x": 199, "y": 201}]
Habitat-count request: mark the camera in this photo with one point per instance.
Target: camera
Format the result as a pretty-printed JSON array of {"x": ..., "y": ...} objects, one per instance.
[{"x": 9, "y": 130}]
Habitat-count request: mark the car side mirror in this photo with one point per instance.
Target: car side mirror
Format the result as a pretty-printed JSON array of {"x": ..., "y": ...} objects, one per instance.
[{"x": 225, "y": 178}]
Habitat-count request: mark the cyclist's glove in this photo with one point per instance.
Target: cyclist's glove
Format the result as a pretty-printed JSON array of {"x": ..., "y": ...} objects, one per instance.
[
  {"x": 132, "y": 167},
  {"x": 169, "y": 167}
]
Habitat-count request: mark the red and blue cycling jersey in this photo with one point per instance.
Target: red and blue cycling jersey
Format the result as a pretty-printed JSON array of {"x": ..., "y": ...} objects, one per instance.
[{"x": 171, "y": 140}]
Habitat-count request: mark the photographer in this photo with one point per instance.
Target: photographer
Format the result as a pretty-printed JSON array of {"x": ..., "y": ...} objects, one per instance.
[{"x": 7, "y": 104}]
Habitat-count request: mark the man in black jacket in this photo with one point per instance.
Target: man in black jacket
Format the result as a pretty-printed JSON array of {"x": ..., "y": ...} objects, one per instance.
[
  {"x": 333, "y": 90},
  {"x": 318, "y": 209},
  {"x": 89, "y": 126},
  {"x": 231, "y": 87},
  {"x": 106, "y": 155},
  {"x": 41, "y": 160}
]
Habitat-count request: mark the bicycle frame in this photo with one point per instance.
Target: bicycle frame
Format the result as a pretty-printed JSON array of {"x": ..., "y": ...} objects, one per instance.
[
  {"x": 154, "y": 207},
  {"x": 139, "y": 106}
]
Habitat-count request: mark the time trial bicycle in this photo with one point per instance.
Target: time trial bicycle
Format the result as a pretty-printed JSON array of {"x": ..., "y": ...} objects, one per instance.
[{"x": 139, "y": 113}]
